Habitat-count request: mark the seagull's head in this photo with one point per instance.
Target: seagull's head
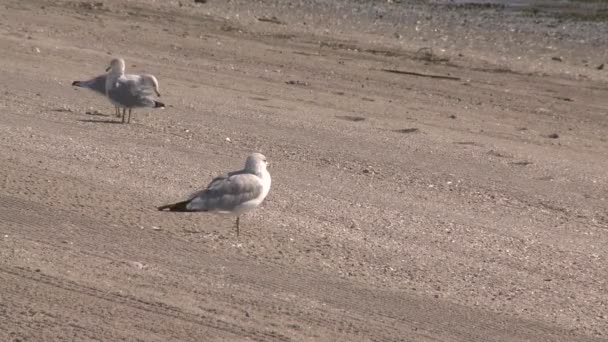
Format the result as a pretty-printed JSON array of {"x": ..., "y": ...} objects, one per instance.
[
  {"x": 256, "y": 162},
  {"x": 117, "y": 65}
]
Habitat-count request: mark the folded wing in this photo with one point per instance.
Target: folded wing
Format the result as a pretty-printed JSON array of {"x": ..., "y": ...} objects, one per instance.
[
  {"x": 226, "y": 193},
  {"x": 129, "y": 93}
]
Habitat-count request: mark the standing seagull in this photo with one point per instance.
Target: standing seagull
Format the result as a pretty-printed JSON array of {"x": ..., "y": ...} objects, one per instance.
[
  {"x": 235, "y": 193},
  {"x": 130, "y": 91}
]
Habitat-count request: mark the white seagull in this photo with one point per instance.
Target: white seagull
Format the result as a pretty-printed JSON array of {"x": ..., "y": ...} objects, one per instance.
[
  {"x": 128, "y": 91},
  {"x": 235, "y": 193}
]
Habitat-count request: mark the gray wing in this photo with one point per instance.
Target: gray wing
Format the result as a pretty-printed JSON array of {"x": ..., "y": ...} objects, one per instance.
[
  {"x": 129, "y": 94},
  {"x": 97, "y": 84},
  {"x": 226, "y": 193},
  {"x": 140, "y": 82}
]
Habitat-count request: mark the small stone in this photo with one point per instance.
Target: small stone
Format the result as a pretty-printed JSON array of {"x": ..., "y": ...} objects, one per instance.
[
  {"x": 156, "y": 228},
  {"x": 137, "y": 264},
  {"x": 557, "y": 58},
  {"x": 553, "y": 136}
]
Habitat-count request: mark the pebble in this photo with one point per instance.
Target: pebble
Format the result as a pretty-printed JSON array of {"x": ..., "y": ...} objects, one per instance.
[{"x": 137, "y": 264}]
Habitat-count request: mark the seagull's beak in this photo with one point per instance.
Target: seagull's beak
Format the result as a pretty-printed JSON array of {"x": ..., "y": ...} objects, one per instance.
[{"x": 108, "y": 68}]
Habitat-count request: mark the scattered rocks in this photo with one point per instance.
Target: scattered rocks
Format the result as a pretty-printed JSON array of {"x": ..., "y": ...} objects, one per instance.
[
  {"x": 298, "y": 83},
  {"x": 91, "y": 5},
  {"x": 94, "y": 113},
  {"x": 557, "y": 59},
  {"x": 369, "y": 171},
  {"x": 452, "y": 116},
  {"x": 600, "y": 67},
  {"x": 553, "y": 136},
  {"x": 137, "y": 264}
]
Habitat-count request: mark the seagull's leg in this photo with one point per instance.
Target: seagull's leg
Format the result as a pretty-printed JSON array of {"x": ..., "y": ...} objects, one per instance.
[
  {"x": 238, "y": 219},
  {"x": 129, "y": 120},
  {"x": 116, "y": 111},
  {"x": 124, "y": 112}
]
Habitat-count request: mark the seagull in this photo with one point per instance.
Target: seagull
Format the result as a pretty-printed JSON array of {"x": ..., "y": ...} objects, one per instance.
[
  {"x": 128, "y": 91},
  {"x": 235, "y": 193}
]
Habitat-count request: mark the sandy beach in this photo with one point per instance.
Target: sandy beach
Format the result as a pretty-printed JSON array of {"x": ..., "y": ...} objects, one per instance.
[{"x": 439, "y": 172}]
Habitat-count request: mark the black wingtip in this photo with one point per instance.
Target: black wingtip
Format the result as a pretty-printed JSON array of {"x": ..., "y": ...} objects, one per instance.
[
  {"x": 76, "y": 83},
  {"x": 159, "y": 104}
]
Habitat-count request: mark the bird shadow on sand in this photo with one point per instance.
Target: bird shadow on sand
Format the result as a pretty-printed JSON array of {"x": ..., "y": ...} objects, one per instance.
[
  {"x": 101, "y": 121},
  {"x": 96, "y": 113}
]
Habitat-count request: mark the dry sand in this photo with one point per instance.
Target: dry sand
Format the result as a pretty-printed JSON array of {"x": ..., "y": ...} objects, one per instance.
[{"x": 469, "y": 207}]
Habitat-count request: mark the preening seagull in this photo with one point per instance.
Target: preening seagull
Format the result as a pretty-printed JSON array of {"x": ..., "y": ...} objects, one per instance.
[
  {"x": 235, "y": 193},
  {"x": 130, "y": 91}
]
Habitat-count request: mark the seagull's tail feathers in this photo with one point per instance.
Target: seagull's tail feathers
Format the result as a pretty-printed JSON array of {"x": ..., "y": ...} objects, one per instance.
[
  {"x": 158, "y": 104},
  {"x": 179, "y": 206},
  {"x": 77, "y": 83}
]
